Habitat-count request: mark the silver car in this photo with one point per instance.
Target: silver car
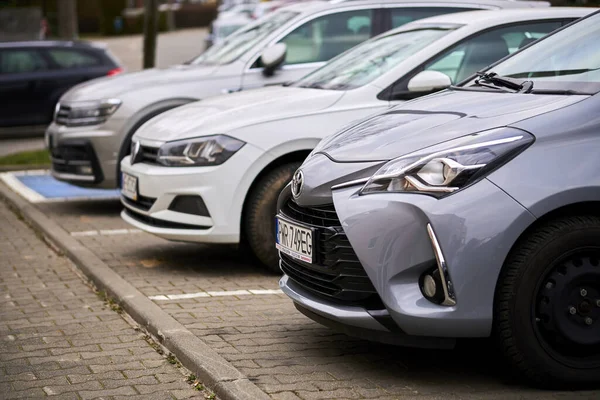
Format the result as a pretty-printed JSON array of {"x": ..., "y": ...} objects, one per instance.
[
  {"x": 468, "y": 213},
  {"x": 94, "y": 122}
]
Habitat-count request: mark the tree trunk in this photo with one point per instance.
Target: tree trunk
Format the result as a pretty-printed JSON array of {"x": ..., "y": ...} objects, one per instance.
[
  {"x": 67, "y": 19},
  {"x": 150, "y": 29}
]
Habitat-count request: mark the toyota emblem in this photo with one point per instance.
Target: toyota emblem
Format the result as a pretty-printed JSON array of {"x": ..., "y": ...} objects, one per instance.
[{"x": 297, "y": 184}]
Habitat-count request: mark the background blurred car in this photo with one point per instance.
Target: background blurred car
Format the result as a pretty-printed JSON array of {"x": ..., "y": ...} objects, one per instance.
[
  {"x": 469, "y": 213},
  {"x": 211, "y": 171},
  {"x": 95, "y": 121},
  {"x": 34, "y": 75},
  {"x": 238, "y": 16},
  {"x": 222, "y": 27}
]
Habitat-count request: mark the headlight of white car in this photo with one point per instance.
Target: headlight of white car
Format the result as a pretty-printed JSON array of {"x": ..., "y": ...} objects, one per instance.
[
  {"x": 450, "y": 166},
  {"x": 202, "y": 151}
]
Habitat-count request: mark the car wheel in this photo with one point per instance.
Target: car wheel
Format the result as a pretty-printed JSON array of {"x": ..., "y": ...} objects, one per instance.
[
  {"x": 259, "y": 223},
  {"x": 547, "y": 305}
]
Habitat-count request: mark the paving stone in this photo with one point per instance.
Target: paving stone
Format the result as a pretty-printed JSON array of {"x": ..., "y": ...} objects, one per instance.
[
  {"x": 94, "y": 394},
  {"x": 53, "y": 325},
  {"x": 264, "y": 336}
]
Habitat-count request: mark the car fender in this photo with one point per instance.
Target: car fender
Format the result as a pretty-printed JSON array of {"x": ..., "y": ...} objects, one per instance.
[{"x": 259, "y": 165}]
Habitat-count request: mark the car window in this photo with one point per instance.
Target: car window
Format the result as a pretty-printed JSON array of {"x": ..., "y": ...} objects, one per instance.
[
  {"x": 68, "y": 58},
  {"x": 325, "y": 37},
  {"x": 567, "y": 60},
  {"x": 371, "y": 59},
  {"x": 18, "y": 61},
  {"x": 482, "y": 50},
  {"x": 243, "y": 39},
  {"x": 404, "y": 15}
]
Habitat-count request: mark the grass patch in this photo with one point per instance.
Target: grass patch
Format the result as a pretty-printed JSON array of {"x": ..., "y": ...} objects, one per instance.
[{"x": 36, "y": 157}]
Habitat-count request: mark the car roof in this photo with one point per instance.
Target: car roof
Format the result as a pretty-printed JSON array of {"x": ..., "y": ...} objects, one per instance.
[
  {"x": 314, "y": 6},
  {"x": 53, "y": 43},
  {"x": 495, "y": 17}
]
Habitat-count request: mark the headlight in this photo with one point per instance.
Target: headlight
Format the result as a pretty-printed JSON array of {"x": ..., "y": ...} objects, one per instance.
[
  {"x": 202, "y": 151},
  {"x": 88, "y": 113},
  {"x": 449, "y": 166}
]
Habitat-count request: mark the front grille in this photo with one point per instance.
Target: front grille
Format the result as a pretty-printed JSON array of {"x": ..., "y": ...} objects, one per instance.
[
  {"x": 159, "y": 223},
  {"x": 337, "y": 273},
  {"x": 76, "y": 159},
  {"x": 148, "y": 155},
  {"x": 62, "y": 115},
  {"x": 142, "y": 203}
]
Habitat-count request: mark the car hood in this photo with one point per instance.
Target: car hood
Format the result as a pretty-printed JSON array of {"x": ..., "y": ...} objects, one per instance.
[
  {"x": 111, "y": 86},
  {"x": 223, "y": 114},
  {"x": 435, "y": 119}
]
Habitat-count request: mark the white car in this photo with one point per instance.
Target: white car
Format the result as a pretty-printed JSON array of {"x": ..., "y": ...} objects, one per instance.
[{"x": 211, "y": 171}]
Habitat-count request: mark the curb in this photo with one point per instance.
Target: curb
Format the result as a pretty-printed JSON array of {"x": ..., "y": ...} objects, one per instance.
[{"x": 212, "y": 369}]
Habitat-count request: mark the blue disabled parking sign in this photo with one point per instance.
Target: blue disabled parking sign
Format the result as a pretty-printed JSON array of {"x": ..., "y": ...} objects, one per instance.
[{"x": 39, "y": 187}]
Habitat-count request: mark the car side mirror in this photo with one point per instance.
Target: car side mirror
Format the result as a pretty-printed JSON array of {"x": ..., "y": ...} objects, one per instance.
[
  {"x": 272, "y": 58},
  {"x": 429, "y": 81}
]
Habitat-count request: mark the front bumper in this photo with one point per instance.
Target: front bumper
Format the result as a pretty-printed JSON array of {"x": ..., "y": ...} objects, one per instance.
[
  {"x": 475, "y": 229},
  {"x": 85, "y": 156},
  {"x": 221, "y": 189}
]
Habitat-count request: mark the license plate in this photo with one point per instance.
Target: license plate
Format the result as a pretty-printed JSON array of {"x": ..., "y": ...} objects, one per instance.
[
  {"x": 129, "y": 186},
  {"x": 294, "y": 240}
]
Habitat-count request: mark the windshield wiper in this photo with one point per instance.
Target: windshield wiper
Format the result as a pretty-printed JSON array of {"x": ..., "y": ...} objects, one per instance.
[
  {"x": 559, "y": 92},
  {"x": 500, "y": 82},
  {"x": 315, "y": 85}
]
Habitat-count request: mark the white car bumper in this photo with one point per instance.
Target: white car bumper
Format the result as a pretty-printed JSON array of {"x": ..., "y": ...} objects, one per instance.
[{"x": 221, "y": 189}]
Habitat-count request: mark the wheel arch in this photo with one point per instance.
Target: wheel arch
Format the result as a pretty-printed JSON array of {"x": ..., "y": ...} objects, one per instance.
[
  {"x": 293, "y": 156},
  {"x": 566, "y": 210},
  {"x": 141, "y": 117}
]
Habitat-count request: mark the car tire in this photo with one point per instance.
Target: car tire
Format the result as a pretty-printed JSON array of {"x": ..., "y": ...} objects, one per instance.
[
  {"x": 541, "y": 309},
  {"x": 259, "y": 222}
]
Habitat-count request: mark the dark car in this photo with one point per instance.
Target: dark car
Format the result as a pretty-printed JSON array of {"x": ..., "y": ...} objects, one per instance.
[{"x": 33, "y": 76}]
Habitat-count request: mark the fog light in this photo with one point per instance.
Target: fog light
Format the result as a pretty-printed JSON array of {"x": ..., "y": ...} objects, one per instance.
[
  {"x": 189, "y": 204},
  {"x": 84, "y": 170},
  {"x": 431, "y": 286}
]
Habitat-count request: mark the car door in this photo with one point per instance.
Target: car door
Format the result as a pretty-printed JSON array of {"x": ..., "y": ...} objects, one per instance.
[
  {"x": 21, "y": 101},
  {"x": 475, "y": 53},
  {"x": 315, "y": 42}
]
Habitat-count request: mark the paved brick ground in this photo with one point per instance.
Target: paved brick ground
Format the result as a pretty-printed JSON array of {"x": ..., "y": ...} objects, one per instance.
[
  {"x": 57, "y": 338},
  {"x": 284, "y": 353}
]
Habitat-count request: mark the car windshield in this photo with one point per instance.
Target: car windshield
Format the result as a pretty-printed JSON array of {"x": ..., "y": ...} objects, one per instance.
[
  {"x": 224, "y": 31},
  {"x": 244, "y": 39},
  {"x": 373, "y": 58},
  {"x": 568, "y": 60}
]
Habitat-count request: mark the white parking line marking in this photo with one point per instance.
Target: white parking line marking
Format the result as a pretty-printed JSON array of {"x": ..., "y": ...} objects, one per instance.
[
  {"x": 162, "y": 297},
  {"x": 85, "y": 233},
  {"x": 106, "y": 232},
  {"x": 266, "y": 291}
]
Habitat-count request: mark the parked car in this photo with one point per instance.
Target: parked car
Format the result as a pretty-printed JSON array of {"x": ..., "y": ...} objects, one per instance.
[
  {"x": 240, "y": 15},
  {"x": 228, "y": 21},
  {"x": 469, "y": 213},
  {"x": 221, "y": 28},
  {"x": 95, "y": 122},
  {"x": 33, "y": 76},
  {"x": 247, "y": 145}
]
